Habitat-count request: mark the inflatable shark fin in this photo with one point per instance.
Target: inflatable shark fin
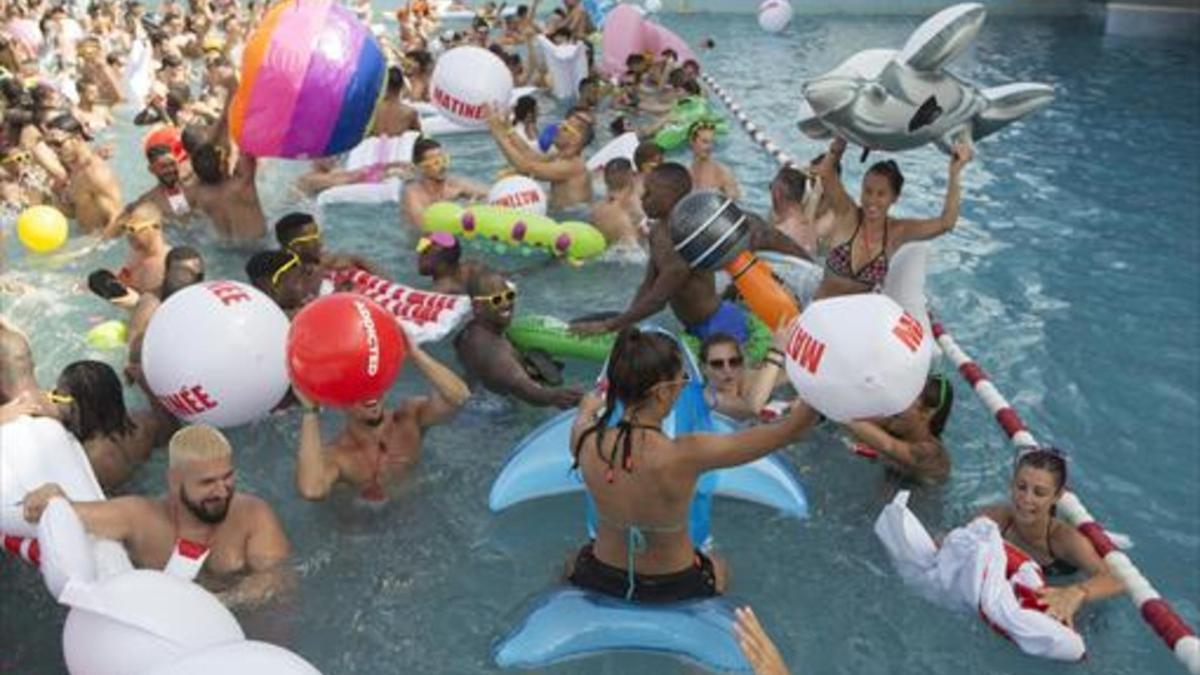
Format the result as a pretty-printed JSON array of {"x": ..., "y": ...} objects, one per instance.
[
  {"x": 1009, "y": 103},
  {"x": 943, "y": 36},
  {"x": 810, "y": 125}
]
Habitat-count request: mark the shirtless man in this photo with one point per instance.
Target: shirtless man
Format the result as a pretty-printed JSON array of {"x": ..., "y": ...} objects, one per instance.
[
  {"x": 490, "y": 358},
  {"x": 376, "y": 447},
  {"x": 439, "y": 256},
  {"x": 326, "y": 172},
  {"x": 241, "y": 541},
  {"x": 228, "y": 197},
  {"x": 280, "y": 276},
  {"x": 434, "y": 184},
  {"x": 617, "y": 216},
  {"x": 707, "y": 172},
  {"x": 173, "y": 197},
  {"x": 393, "y": 116},
  {"x": 91, "y": 112},
  {"x": 184, "y": 267},
  {"x": 565, "y": 169},
  {"x": 93, "y": 194},
  {"x": 692, "y": 293}
]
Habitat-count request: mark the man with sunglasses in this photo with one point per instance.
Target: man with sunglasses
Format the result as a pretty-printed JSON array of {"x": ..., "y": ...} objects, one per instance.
[
  {"x": 434, "y": 183},
  {"x": 93, "y": 193},
  {"x": 280, "y": 275},
  {"x": 488, "y": 356},
  {"x": 173, "y": 196},
  {"x": 299, "y": 233},
  {"x": 565, "y": 169},
  {"x": 707, "y": 172}
]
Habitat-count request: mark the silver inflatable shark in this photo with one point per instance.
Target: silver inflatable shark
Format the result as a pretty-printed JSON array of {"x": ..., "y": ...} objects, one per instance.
[{"x": 883, "y": 99}]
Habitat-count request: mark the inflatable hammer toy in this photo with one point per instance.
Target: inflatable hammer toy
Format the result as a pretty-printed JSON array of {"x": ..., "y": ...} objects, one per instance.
[
  {"x": 711, "y": 232},
  {"x": 884, "y": 99}
]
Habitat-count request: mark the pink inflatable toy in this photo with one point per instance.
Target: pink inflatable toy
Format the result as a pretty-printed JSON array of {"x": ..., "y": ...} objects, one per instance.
[{"x": 626, "y": 32}]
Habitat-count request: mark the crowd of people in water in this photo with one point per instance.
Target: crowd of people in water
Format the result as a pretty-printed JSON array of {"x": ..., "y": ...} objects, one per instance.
[{"x": 56, "y": 96}]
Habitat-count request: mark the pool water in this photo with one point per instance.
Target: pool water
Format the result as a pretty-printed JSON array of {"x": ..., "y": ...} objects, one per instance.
[{"x": 1072, "y": 277}]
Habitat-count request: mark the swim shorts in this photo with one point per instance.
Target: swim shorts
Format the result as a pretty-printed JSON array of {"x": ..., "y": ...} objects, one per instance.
[{"x": 729, "y": 318}]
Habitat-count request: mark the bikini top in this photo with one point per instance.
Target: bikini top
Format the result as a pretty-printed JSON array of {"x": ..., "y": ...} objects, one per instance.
[
  {"x": 1057, "y": 567},
  {"x": 872, "y": 273}
]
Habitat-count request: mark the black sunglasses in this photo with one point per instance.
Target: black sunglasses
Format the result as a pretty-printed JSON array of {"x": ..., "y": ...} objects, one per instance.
[{"x": 732, "y": 362}]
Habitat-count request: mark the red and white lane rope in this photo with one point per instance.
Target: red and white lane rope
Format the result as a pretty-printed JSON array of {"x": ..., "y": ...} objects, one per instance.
[
  {"x": 1157, "y": 612},
  {"x": 25, "y": 549},
  {"x": 751, "y": 128}
]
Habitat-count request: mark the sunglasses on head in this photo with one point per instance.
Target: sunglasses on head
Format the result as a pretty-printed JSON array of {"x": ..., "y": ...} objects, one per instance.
[
  {"x": 292, "y": 262},
  {"x": 732, "y": 362},
  {"x": 20, "y": 157},
  {"x": 55, "y": 397},
  {"x": 313, "y": 236}
]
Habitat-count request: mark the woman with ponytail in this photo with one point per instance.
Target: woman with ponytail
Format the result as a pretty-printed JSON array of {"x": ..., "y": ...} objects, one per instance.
[
  {"x": 910, "y": 442},
  {"x": 643, "y": 482}
]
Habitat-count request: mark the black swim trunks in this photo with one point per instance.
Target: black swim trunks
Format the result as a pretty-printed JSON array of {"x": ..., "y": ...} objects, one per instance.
[{"x": 697, "y": 581}]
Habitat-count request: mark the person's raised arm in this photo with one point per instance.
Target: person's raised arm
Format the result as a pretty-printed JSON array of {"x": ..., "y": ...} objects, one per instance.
[
  {"x": 897, "y": 451},
  {"x": 449, "y": 391},
  {"x": 518, "y": 153},
  {"x": 316, "y": 470},
  {"x": 701, "y": 452},
  {"x": 928, "y": 228},
  {"x": 839, "y": 200}
]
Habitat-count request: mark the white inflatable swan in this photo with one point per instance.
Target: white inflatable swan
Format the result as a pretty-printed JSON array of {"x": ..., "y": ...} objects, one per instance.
[{"x": 882, "y": 99}]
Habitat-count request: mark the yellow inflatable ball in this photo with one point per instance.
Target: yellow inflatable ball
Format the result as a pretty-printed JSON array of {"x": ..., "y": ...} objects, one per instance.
[{"x": 42, "y": 228}]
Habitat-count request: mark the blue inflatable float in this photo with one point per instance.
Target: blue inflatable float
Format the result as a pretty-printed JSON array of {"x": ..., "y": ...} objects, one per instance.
[{"x": 568, "y": 622}]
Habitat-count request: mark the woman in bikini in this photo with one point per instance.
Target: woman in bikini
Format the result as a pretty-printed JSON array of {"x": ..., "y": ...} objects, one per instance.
[
  {"x": 1028, "y": 523},
  {"x": 867, "y": 236},
  {"x": 642, "y": 482}
]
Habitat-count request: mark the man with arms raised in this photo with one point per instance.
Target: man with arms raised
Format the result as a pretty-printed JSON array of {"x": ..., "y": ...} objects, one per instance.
[
  {"x": 93, "y": 193},
  {"x": 564, "y": 169},
  {"x": 201, "y": 526},
  {"x": 376, "y": 446}
]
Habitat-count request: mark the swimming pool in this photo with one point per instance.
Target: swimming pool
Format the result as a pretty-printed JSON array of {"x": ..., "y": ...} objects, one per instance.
[{"x": 1072, "y": 277}]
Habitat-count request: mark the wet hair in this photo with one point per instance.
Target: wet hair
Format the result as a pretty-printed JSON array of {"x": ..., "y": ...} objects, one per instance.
[
  {"x": 891, "y": 171},
  {"x": 67, "y": 122},
  {"x": 262, "y": 265},
  {"x": 669, "y": 52},
  {"x": 421, "y": 57},
  {"x": 716, "y": 339},
  {"x": 179, "y": 254},
  {"x": 395, "y": 79},
  {"x": 938, "y": 395},
  {"x": 525, "y": 108},
  {"x": 690, "y": 87},
  {"x": 291, "y": 226},
  {"x": 638, "y": 362},
  {"x": 1046, "y": 458},
  {"x": 177, "y": 278},
  {"x": 634, "y": 61},
  {"x": 193, "y": 136},
  {"x": 99, "y": 406},
  {"x": 792, "y": 182},
  {"x": 206, "y": 164},
  {"x": 647, "y": 152},
  {"x": 677, "y": 77},
  {"x": 619, "y": 126},
  {"x": 422, "y": 147},
  {"x": 618, "y": 174}
]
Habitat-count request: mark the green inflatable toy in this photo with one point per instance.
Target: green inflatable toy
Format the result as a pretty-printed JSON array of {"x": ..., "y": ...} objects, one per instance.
[{"x": 574, "y": 240}]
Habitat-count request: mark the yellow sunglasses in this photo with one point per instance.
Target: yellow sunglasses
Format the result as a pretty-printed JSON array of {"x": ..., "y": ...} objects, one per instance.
[
  {"x": 134, "y": 228},
  {"x": 63, "y": 399},
  {"x": 294, "y": 261},
  {"x": 508, "y": 295}
]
